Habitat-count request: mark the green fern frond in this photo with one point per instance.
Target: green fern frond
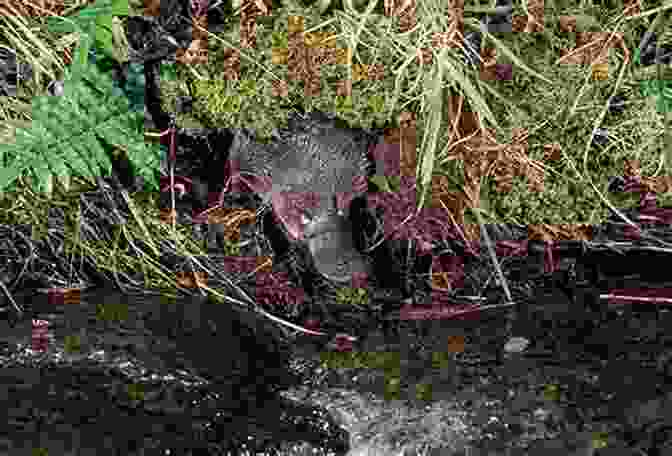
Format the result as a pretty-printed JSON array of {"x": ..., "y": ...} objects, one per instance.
[{"x": 69, "y": 134}]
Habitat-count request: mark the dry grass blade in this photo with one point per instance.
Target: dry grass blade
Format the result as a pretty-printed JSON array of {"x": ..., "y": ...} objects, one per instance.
[
  {"x": 475, "y": 99},
  {"x": 432, "y": 110},
  {"x": 518, "y": 63},
  {"x": 16, "y": 42}
]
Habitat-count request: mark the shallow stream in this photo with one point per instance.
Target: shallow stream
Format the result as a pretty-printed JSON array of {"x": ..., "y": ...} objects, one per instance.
[{"x": 132, "y": 389}]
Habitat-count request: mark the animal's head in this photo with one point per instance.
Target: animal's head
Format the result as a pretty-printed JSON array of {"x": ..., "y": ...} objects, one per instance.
[{"x": 330, "y": 239}]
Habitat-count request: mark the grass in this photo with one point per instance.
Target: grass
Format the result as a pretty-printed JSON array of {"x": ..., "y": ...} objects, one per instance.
[
  {"x": 575, "y": 185},
  {"x": 554, "y": 103}
]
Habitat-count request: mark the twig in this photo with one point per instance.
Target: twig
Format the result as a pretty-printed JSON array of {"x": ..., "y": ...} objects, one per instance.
[
  {"x": 488, "y": 307},
  {"x": 18, "y": 308},
  {"x": 171, "y": 167},
  {"x": 493, "y": 256},
  {"x": 467, "y": 243},
  {"x": 289, "y": 324},
  {"x": 408, "y": 217},
  {"x": 635, "y": 298}
]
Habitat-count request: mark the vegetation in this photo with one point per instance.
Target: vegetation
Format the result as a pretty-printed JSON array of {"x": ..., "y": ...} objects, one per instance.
[
  {"x": 372, "y": 76},
  {"x": 574, "y": 190}
]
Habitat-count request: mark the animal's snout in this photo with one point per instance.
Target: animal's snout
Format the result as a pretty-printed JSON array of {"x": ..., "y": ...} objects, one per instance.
[{"x": 330, "y": 241}]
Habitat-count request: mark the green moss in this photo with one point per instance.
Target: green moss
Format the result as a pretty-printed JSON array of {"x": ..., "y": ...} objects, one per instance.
[
  {"x": 352, "y": 296},
  {"x": 423, "y": 392},
  {"x": 525, "y": 102},
  {"x": 135, "y": 392},
  {"x": 115, "y": 312},
  {"x": 72, "y": 344},
  {"x": 216, "y": 103},
  {"x": 231, "y": 248}
]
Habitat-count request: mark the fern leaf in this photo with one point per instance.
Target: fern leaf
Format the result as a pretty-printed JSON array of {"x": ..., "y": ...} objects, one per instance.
[
  {"x": 98, "y": 159},
  {"x": 66, "y": 133},
  {"x": 56, "y": 165},
  {"x": 15, "y": 168},
  {"x": 77, "y": 164},
  {"x": 41, "y": 178},
  {"x": 110, "y": 132},
  {"x": 147, "y": 160}
]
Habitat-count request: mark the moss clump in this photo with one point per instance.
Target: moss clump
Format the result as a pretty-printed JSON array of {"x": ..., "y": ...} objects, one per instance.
[{"x": 352, "y": 296}]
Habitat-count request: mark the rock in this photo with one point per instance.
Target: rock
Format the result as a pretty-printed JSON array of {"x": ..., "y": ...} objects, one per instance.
[
  {"x": 253, "y": 361},
  {"x": 247, "y": 360},
  {"x": 56, "y": 88},
  {"x": 500, "y": 21},
  {"x": 472, "y": 48},
  {"x": 649, "y": 52}
]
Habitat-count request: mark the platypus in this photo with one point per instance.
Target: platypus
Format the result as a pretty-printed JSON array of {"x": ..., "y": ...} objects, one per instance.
[{"x": 309, "y": 174}]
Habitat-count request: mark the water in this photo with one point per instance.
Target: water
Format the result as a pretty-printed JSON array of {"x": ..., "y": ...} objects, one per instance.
[
  {"x": 164, "y": 381},
  {"x": 149, "y": 375}
]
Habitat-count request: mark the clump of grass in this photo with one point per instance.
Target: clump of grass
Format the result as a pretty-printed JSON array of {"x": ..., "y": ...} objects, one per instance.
[{"x": 575, "y": 190}]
